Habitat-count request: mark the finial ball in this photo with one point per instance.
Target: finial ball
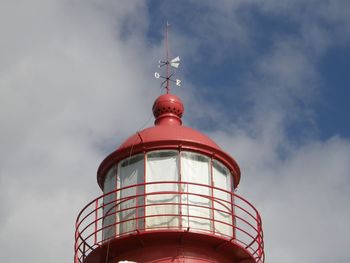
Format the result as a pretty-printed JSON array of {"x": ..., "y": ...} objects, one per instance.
[{"x": 168, "y": 105}]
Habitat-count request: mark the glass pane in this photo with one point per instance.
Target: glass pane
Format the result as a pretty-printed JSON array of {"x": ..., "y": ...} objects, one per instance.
[
  {"x": 196, "y": 199},
  {"x": 130, "y": 173},
  {"x": 109, "y": 202},
  {"x": 222, "y": 205},
  {"x": 162, "y": 208}
]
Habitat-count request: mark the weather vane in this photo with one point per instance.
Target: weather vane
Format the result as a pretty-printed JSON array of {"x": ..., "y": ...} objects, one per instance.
[{"x": 173, "y": 63}]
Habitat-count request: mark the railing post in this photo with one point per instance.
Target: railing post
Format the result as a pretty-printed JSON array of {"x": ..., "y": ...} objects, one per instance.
[
  {"x": 84, "y": 246},
  {"x": 96, "y": 226},
  {"x": 233, "y": 215},
  {"x": 212, "y": 202},
  {"x": 76, "y": 256},
  {"x": 259, "y": 237}
]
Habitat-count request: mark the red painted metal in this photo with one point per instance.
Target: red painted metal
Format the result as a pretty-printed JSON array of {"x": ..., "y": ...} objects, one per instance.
[
  {"x": 212, "y": 193},
  {"x": 180, "y": 190},
  {"x": 96, "y": 226},
  {"x": 144, "y": 180},
  {"x": 180, "y": 242},
  {"x": 168, "y": 110},
  {"x": 248, "y": 224},
  {"x": 168, "y": 133}
]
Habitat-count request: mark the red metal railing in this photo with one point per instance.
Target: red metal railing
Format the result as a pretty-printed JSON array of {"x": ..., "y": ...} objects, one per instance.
[{"x": 219, "y": 212}]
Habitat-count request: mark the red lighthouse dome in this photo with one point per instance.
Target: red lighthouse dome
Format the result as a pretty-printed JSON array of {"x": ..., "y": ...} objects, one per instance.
[
  {"x": 168, "y": 196},
  {"x": 169, "y": 133}
]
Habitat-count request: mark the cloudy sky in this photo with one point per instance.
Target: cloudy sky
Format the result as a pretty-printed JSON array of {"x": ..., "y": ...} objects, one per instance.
[{"x": 267, "y": 80}]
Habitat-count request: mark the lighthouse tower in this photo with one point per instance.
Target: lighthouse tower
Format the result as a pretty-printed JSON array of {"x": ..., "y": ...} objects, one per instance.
[{"x": 169, "y": 196}]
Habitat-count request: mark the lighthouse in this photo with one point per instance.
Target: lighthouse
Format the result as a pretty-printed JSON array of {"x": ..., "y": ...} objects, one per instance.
[{"x": 169, "y": 196}]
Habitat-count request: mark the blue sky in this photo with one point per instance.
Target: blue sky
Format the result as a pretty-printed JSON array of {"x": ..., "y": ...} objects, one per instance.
[
  {"x": 226, "y": 75},
  {"x": 267, "y": 80},
  {"x": 334, "y": 108},
  {"x": 222, "y": 68}
]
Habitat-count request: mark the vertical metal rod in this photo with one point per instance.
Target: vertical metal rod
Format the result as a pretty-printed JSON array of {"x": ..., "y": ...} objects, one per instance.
[
  {"x": 180, "y": 188},
  {"x": 115, "y": 199},
  {"x": 96, "y": 216},
  {"x": 259, "y": 238},
  {"x": 76, "y": 245},
  {"x": 212, "y": 195},
  {"x": 188, "y": 205},
  {"x": 84, "y": 246},
  {"x": 145, "y": 158},
  {"x": 233, "y": 206},
  {"x": 167, "y": 57},
  {"x": 137, "y": 186}
]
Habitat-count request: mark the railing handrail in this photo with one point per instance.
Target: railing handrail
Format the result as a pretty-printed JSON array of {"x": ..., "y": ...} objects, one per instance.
[
  {"x": 82, "y": 237},
  {"x": 167, "y": 182}
]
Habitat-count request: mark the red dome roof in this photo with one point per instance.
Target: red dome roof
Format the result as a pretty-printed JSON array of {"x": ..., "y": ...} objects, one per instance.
[{"x": 168, "y": 133}]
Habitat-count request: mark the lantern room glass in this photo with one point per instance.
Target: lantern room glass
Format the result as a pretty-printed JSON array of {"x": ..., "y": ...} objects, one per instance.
[
  {"x": 195, "y": 168},
  {"x": 168, "y": 189},
  {"x": 223, "y": 208},
  {"x": 109, "y": 213},
  {"x": 162, "y": 166},
  {"x": 130, "y": 179}
]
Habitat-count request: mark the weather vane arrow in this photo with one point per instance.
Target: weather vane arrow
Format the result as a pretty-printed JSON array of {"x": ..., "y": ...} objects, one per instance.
[{"x": 173, "y": 63}]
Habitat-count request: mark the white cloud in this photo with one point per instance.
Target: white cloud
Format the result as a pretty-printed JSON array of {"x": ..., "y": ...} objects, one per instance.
[
  {"x": 302, "y": 197},
  {"x": 70, "y": 81},
  {"x": 300, "y": 187}
]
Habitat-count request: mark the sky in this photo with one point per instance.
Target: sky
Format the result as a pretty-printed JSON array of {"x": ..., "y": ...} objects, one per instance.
[{"x": 267, "y": 80}]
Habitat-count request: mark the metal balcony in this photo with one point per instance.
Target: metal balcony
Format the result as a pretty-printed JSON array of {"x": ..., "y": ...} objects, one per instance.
[{"x": 116, "y": 214}]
